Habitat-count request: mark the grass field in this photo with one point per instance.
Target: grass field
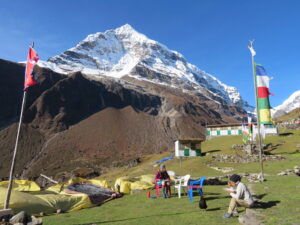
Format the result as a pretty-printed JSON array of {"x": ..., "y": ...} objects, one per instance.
[{"x": 279, "y": 195}]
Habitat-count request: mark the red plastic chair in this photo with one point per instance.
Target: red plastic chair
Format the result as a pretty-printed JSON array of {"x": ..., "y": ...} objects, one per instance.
[{"x": 159, "y": 186}]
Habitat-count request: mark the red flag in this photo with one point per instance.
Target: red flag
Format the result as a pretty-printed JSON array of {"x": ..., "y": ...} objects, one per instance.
[{"x": 32, "y": 59}]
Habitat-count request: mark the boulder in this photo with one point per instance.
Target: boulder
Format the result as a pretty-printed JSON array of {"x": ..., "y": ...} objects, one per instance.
[
  {"x": 35, "y": 221},
  {"x": 283, "y": 173},
  {"x": 21, "y": 217}
]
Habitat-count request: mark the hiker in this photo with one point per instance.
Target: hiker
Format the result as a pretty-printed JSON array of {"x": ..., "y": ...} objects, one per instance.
[
  {"x": 162, "y": 178},
  {"x": 240, "y": 194}
]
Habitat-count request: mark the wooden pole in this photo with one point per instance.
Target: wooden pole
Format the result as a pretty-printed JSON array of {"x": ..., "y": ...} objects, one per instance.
[
  {"x": 12, "y": 168},
  {"x": 48, "y": 178},
  {"x": 258, "y": 117}
]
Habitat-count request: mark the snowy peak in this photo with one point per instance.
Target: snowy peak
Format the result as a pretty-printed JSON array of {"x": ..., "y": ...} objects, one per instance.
[
  {"x": 291, "y": 103},
  {"x": 129, "y": 32},
  {"x": 111, "y": 53},
  {"x": 124, "y": 51}
]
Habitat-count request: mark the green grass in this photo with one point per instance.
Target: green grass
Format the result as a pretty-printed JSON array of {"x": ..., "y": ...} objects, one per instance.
[
  {"x": 280, "y": 194},
  {"x": 138, "y": 209}
]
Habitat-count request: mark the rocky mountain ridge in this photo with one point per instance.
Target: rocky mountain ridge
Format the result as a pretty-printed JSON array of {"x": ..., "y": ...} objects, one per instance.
[
  {"x": 126, "y": 52},
  {"x": 290, "y": 104}
]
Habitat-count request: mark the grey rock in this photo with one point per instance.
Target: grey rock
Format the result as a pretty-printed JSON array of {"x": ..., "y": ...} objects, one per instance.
[
  {"x": 35, "y": 221},
  {"x": 283, "y": 173},
  {"x": 21, "y": 217},
  {"x": 242, "y": 219}
]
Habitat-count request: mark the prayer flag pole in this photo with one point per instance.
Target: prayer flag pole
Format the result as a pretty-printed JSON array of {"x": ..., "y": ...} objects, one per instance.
[
  {"x": 12, "y": 168},
  {"x": 253, "y": 53},
  {"x": 29, "y": 81}
]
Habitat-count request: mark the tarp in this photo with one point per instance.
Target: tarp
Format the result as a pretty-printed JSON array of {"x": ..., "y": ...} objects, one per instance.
[
  {"x": 57, "y": 188},
  {"x": 98, "y": 182},
  {"x": 163, "y": 160},
  {"x": 66, "y": 202},
  {"x": 43, "y": 202},
  {"x": 96, "y": 193},
  {"x": 22, "y": 185},
  {"x": 26, "y": 195},
  {"x": 126, "y": 184},
  {"x": 24, "y": 201}
]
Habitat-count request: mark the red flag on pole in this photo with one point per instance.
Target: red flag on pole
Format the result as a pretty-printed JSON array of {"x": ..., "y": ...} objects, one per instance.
[{"x": 32, "y": 59}]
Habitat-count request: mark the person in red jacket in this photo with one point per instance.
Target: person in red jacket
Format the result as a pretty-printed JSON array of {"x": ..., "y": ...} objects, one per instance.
[{"x": 162, "y": 178}]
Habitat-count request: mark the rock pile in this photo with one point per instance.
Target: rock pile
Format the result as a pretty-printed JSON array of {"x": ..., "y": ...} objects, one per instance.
[
  {"x": 245, "y": 158},
  {"x": 223, "y": 170},
  {"x": 214, "y": 181},
  {"x": 251, "y": 177},
  {"x": 237, "y": 147},
  {"x": 296, "y": 171},
  {"x": 20, "y": 219},
  {"x": 254, "y": 178}
]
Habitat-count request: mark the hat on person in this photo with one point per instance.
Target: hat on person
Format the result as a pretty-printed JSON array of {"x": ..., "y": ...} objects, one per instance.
[
  {"x": 235, "y": 178},
  {"x": 162, "y": 166}
]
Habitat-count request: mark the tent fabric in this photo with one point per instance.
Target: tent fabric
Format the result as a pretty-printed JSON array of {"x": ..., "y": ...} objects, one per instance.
[
  {"x": 66, "y": 202},
  {"x": 97, "y": 194},
  {"x": 27, "y": 196},
  {"x": 22, "y": 185},
  {"x": 126, "y": 184},
  {"x": 36, "y": 202},
  {"x": 56, "y": 188},
  {"x": 98, "y": 182},
  {"x": 163, "y": 160},
  {"x": 20, "y": 201}
]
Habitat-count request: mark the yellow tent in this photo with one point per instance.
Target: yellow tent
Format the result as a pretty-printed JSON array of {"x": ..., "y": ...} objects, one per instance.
[
  {"x": 22, "y": 185},
  {"x": 102, "y": 183},
  {"x": 26, "y": 195},
  {"x": 126, "y": 184}
]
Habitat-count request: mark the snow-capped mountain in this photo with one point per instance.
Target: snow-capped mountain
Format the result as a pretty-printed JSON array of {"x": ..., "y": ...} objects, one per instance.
[
  {"x": 126, "y": 52},
  {"x": 291, "y": 103}
]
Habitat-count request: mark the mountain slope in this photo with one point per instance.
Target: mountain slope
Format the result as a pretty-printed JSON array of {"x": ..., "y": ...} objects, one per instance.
[
  {"x": 289, "y": 117},
  {"x": 291, "y": 103},
  {"x": 125, "y": 52},
  {"x": 75, "y": 121}
]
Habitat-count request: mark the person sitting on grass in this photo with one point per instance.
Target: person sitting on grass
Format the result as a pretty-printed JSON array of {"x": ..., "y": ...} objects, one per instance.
[
  {"x": 240, "y": 194},
  {"x": 162, "y": 178}
]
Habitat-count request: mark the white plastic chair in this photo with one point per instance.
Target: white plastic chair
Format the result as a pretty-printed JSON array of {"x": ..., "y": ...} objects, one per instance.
[
  {"x": 171, "y": 173},
  {"x": 182, "y": 182}
]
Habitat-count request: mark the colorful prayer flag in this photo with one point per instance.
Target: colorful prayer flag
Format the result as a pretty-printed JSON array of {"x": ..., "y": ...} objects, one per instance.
[
  {"x": 262, "y": 85},
  {"x": 245, "y": 133},
  {"x": 250, "y": 127},
  {"x": 32, "y": 59}
]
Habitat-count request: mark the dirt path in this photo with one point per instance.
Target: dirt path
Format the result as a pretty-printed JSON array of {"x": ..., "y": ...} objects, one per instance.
[{"x": 252, "y": 216}]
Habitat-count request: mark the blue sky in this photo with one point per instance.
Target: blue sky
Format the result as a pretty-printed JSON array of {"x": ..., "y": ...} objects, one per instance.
[{"x": 212, "y": 34}]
